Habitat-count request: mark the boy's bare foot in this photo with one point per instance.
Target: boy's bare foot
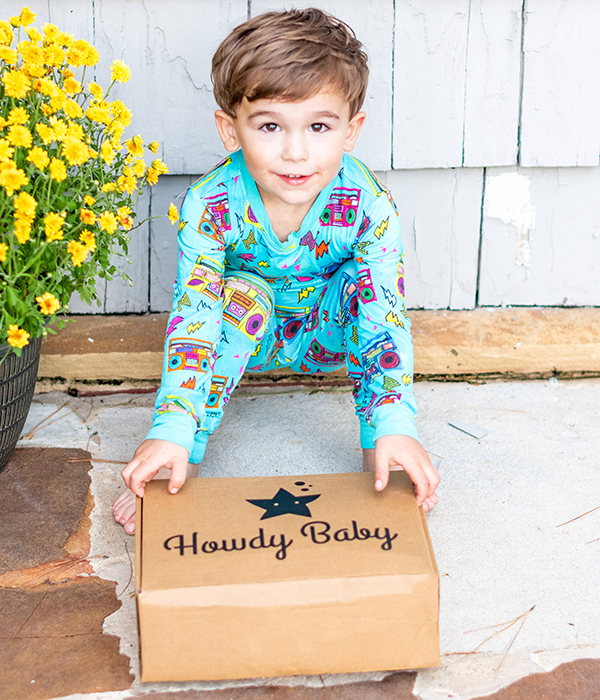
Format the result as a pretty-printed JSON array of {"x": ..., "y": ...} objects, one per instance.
[
  {"x": 124, "y": 505},
  {"x": 369, "y": 466}
]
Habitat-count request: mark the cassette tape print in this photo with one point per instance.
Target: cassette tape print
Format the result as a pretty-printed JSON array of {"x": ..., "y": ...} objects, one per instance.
[
  {"x": 218, "y": 206},
  {"x": 342, "y": 207},
  {"x": 320, "y": 355},
  {"x": 376, "y": 401},
  {"x": 190, "y": 355},
  {"x": 206, "y": 278},
  {"x": 380, "y": 356},
  {"x": 246, "y": 307}
]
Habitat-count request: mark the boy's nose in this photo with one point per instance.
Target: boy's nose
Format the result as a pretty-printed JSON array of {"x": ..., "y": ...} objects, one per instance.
[{"x": 295, "y": 149}]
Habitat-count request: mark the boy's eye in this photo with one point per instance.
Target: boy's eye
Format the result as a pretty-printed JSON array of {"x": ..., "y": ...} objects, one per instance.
[
  {"x": 269, "y": 127},
  {"x": 319, "y": 128}
]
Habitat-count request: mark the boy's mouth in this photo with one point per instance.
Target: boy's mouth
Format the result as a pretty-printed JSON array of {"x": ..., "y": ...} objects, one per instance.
[{"x": 295, "y": 180}]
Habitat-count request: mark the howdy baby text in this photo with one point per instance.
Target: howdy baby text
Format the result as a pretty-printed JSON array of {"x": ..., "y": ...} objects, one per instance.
[{"x": 318, "y": 531}]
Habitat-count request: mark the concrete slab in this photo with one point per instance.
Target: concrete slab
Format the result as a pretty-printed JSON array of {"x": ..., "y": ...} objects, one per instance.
[{"x": 497, "y": 531}]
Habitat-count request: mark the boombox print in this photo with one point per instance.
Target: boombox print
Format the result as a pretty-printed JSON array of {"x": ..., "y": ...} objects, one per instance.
[
  {"x": 217, "y": 387},
  {"x": 348, "y": 306},
  {"x": 188, "y": 354},
  {"x": 246, "y": 306},
  {"x": 208, "y": 227},
  {"x": 400, "y": 279},
  {"x": 392, "y": 397},
  {"x": 342, "y": 207},
  {"x": 321, "y": 356},
  {"x": 365, "y": 286},
  {"x": 379, "y": 357},
  {"x": 219, "y": 209},
  {"x": 291, "y": 320},
  {"x": 206, "y": 278}
]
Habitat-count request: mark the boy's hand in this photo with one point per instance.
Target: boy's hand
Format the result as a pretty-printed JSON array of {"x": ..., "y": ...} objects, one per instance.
[
  {"x": 394, "y": 452},
  {"x": 148, "y": 459}
]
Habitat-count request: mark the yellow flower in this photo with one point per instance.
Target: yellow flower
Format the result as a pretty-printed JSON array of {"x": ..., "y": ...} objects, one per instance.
[
  {"x": 6, "y": 151},
  {"x": 72, "y": 86},
  {"x": 151, "y": 176},
  {"x": 89, "y": 200},
  {"x": 33, "y": 34},
  {"x": 90, "y": 55},
  {"x": 173, "y": 214},
  {"x": 154, "y": 146},
  {"x": 58, "y": 170},
  {"x": 135, "y": 146},
  {"x": 6, "y": 32},
  {"x": 108, "y": 222},
  {"x": 51, "y": 31},
  {"x": 78, "y": 252},
  {"x": 16, "y": 83},
  {"x": 139, "y": 167},
  {"x": 160, "y": 167},
  {"x": 25, "y": 204},
  {"x": 54, "y": 55},
  {"x": 38, "y": 157},
  {"x": 60, "y": 128},
  {"x": 17, "y": 337},
  {"x": 18, "y": 115},
  {"x": 19, "y": 135},
  {"x": 75, "y": 151},
  {"x": 99, "y": 113},
  {"x": 73, "y": 109},
  {"x": 53, "y": 224},
  {"x": 46, "y": 133},
  {"x": 58, "y": 100},
  {"x": 3, "y": 249},
  {"x": 31, "y": 52},
  {"x": 12, "y": 178},
  {"x": 88, "y": 239},
  {"x": 109, "y": 187},
  {"x": 125, "y": 218},
  {"x": 96, "y": 90},
  {"x": 127, "y": 182},
  {"x": 88, "y": 217},
  {"x": 45, "y": 86},
  {"x": 49, "y": 304},
  {"x": 121, "y": 114},
  {"x": 9, "y": 56},
  {"x": 27, "y": 16},
  {"x": 22, "y": 230},
  {"x": 107, "y": 152},
  {"x": 120, "y": 71},
  {"x": 47, "y": 109},
  {"x": 65, "y": 39}
]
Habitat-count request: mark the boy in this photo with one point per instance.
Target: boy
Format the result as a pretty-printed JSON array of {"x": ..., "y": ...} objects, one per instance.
[{"x": 289, "y": 256}]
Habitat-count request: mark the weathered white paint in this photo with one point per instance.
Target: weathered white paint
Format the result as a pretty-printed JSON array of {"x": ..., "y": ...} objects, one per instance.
[
  {"x": 163, "y": 237},
  {"x": 373, "y": 24},
  {"x": 169, "y": 50},
  {"x": 507, "y": 198},
  {"x": 440, "y": 218},
  {"x": 491, "y": 116},
  {"x": 429, "y": 82},
  {"x": 561, "y": 91},
  {"x": 565, "y": 242}
]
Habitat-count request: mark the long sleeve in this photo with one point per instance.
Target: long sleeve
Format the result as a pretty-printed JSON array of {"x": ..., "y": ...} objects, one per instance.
[
  {"x": 384, "y": 326},
  {"x": 194, "y": 327}
]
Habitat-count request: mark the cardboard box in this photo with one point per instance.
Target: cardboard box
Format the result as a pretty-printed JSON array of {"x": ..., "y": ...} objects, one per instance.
[{"x": 249, "y": 577}]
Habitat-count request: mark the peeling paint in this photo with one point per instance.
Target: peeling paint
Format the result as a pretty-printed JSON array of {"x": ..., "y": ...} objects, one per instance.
[{"x": 507, "y": 198}]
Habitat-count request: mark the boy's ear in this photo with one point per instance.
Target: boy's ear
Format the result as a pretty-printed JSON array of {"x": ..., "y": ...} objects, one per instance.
[
  {"x": 354, "y": 127},
  {"x": 226, "y": 128}
]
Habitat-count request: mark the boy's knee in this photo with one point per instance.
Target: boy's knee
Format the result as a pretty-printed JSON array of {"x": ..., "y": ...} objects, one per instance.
[{"x": 248, "y": 304}]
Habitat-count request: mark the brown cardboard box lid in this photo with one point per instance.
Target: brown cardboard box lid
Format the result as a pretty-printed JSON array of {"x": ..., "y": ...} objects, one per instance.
[{"x": 283, "y": 528}]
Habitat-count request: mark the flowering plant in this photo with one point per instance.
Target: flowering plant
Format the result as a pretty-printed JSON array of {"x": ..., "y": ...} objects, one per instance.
[{"x": 68, "y": 184}]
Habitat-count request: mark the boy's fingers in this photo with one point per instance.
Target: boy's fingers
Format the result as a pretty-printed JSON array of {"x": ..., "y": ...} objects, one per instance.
[
  {"x": 178, "y": 475},
  {"x": 382, "y": 473}
]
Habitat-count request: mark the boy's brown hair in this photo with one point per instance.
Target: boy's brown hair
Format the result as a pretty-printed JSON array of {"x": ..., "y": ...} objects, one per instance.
[{"x": 289, "y": 55}]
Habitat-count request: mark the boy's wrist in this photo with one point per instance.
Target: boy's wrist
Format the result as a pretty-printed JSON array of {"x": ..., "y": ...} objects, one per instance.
[{"x": 178, "y": 428}]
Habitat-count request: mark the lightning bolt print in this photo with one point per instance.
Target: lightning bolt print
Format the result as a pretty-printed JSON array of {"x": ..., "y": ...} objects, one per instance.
[
  {"x": 309, "y": 240},
  {"x": 406, "y": 379},
  {"x": 321, "y": 249},
  {"x": 303, "y": 293},
  {"x": 189, "y": 383},
  {"x": 184, "y": 301},
  {"x": 173, "y": 323},
  {"x": 392, "y": 318},
  {"x": 193, "y": 327},
  {"x": 263, "y": 263},
  {"x": 382, "y": 228},
  {"x": 389, "y": 297},
  {"x": 362, "y": 247},
  {"x": 389, "y": 383},
  {"x": 354, "y": 336},
  {"x": 250, "y": 240},
  {"x": 353, "y": 360}
]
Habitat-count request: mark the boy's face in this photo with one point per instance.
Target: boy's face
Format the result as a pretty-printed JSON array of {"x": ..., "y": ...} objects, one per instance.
[{"x": 292, "y": 149}]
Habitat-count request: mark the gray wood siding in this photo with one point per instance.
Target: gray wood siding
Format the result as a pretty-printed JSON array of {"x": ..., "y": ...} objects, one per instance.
[{"x": 466, "y": 98}]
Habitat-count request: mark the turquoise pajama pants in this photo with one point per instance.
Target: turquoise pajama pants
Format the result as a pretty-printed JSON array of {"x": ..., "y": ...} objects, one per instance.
[{"x": 258, "y": 336}]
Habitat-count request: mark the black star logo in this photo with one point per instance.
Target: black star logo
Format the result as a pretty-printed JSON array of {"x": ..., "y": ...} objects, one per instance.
[{"x": 284, "y": 502}]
